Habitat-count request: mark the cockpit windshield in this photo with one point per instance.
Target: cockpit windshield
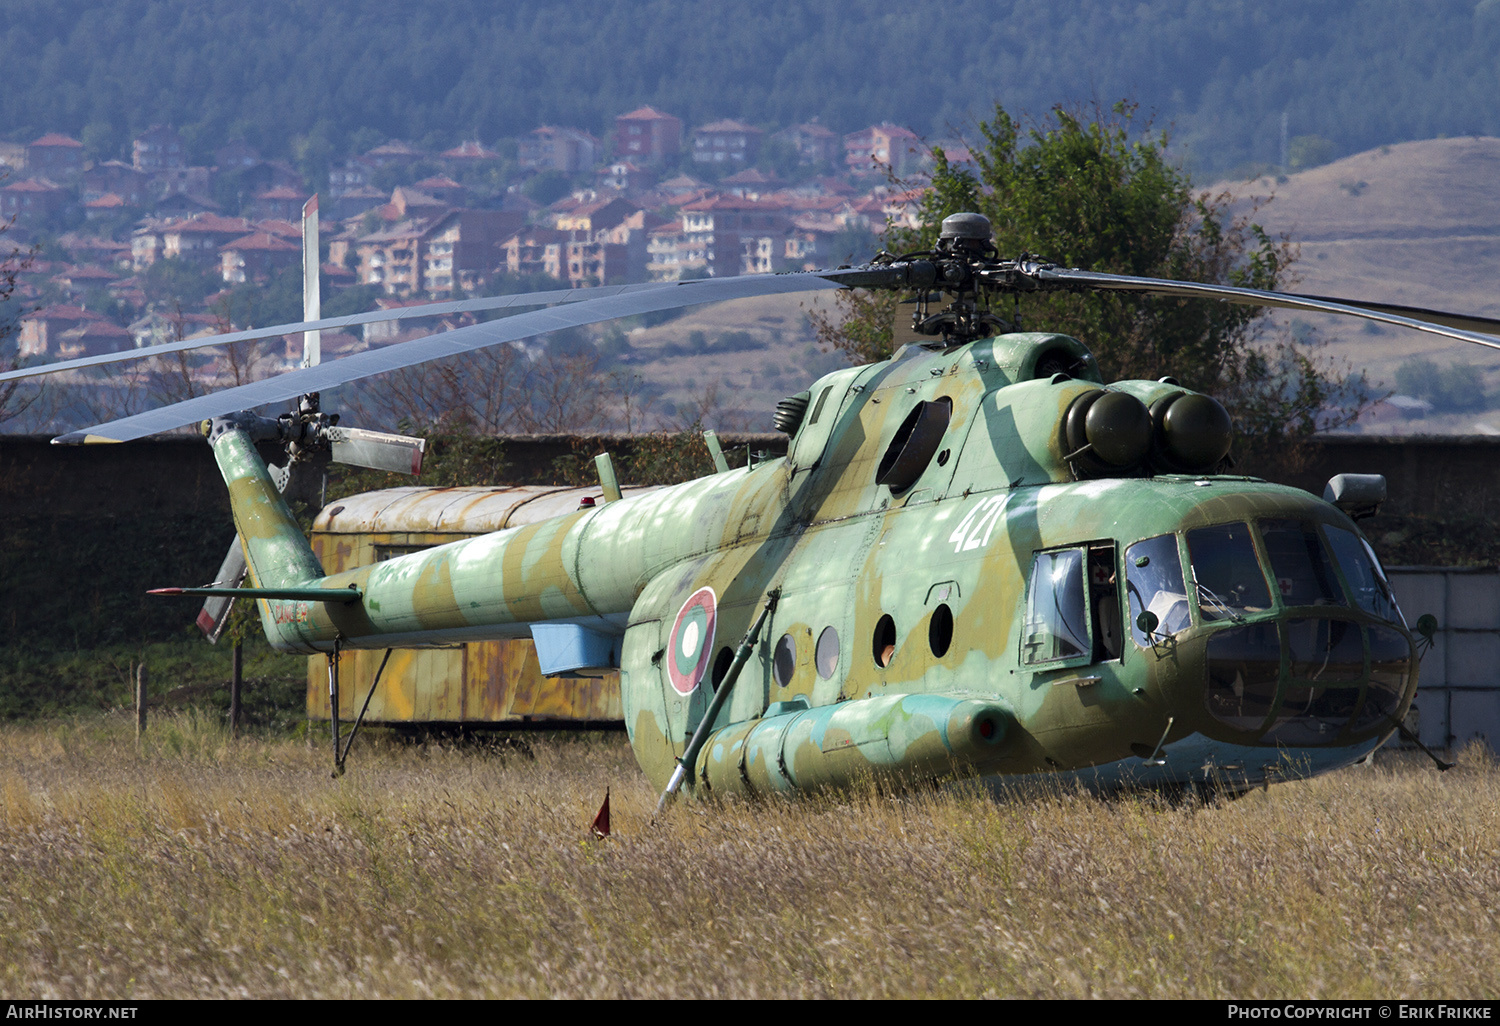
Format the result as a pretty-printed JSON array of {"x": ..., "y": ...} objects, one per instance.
[
  {"x": 1300, "y": 565},
  {"x": 1372, "y": 592},
  {"x": 1226, "y": 574}
]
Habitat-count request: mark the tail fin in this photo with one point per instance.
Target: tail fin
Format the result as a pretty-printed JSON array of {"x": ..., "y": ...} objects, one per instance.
[{"x": 276, "y": 550}]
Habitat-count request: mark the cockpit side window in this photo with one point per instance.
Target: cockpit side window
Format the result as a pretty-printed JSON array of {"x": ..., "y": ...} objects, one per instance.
[
  {"x": 1372, "y": 592},
  {"x": 1300, "y": 564},
  {"x": 1153, "y": 583},
  {"x": 1057, "y": 614},
  {"x": 1226, "y": 573}
]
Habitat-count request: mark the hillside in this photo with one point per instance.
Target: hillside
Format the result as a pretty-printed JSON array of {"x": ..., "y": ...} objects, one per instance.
[
  {"x": 316, "y": 82},
  {"x": 1417, "y": 224}
]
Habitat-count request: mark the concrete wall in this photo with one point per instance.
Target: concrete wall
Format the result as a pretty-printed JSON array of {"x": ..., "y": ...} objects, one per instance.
[{"x": 1458, "y": 697}]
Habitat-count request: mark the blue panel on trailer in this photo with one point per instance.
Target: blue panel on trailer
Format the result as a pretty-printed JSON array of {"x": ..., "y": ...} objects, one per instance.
[{"x": 571, "y": 648}]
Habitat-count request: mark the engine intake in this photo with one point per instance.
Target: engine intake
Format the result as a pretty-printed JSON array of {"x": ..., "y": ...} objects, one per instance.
[{"x": 1106, "y": 433}]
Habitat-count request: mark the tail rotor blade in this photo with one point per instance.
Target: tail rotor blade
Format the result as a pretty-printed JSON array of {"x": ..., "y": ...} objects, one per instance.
[
  {"x": 214, "y": 616},
  {"x": 399, "y": 454}
]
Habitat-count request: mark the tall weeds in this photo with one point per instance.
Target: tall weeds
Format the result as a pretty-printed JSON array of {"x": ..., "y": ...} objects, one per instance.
[{"x": 187, "y": 866}]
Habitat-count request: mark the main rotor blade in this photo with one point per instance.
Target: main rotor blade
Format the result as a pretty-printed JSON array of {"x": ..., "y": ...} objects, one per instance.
[
  {"x": 1431, "y": 321},
  {"x": 546, "y": 298},
  {"x": 325, "y": 376}
]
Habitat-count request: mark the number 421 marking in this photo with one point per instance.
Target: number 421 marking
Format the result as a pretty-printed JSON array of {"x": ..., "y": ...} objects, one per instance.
[{"x": 975, "y": 529}]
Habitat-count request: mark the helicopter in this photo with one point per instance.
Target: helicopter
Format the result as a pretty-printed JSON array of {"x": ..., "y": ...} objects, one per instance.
[{"x": 976, "y": 559}]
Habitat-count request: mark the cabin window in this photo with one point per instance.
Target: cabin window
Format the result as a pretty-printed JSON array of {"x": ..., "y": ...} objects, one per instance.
[
  {"x": 826, "y": 655},
  {"x": 1057, "y": 615},
  {"x": 1367, "y": 581},
  {"x": 1153, "y": 584},
  {"x": 940, "y": 630},
  {"x": 1300, "y": 564},
  {"x": 883, "y": 644},
  {"x": 785, "y": 662},
  {"x": 1226, "y": 573}
]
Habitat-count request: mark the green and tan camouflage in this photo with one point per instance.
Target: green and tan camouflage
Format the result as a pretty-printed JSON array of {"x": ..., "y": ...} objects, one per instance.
[{"x": 987, "y": 563}]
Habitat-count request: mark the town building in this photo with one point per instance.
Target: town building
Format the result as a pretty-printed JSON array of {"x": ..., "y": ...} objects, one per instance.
[
  {"x": 434, "y": 255},
  {"x": 256, "y": 257},
  {"x": 118, "y": 177},
  {"x": 535, "y": 250},
  {"x": 648, "y": 137},
  {"x": 158, "y": 148},
  {"x": 31, "y": 199},
  {"x": 550, "y": 148},
  {"x": 816, "y": 145},
  {"x": 55, "y": 156},
  {"x": 726, "y": 142},
  {"x": 883, "y": 146},
  {"x": 64, "y": 331},
  {"x": 283, "y": 202},
  {"x": 195, "y": 238}
]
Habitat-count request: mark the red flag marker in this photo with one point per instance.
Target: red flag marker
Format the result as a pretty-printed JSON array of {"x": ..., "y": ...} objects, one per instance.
[{"x": 600, "y": 825}]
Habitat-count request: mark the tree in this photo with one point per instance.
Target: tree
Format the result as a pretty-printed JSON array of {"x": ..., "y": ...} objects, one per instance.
[
  {"x": 1088, "y": 192},
  {"x": 16, "y": 397}
]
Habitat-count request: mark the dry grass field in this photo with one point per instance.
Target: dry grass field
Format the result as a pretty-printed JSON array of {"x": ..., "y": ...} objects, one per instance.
[{"x": 190, "y": 867}]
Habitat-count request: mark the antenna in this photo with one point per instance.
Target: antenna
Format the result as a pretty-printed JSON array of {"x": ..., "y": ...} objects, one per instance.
[{"x": 312, "y": 341}]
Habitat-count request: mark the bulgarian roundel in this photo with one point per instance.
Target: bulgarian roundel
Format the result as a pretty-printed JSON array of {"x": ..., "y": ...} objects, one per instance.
[{"x": 692, "y": 641}]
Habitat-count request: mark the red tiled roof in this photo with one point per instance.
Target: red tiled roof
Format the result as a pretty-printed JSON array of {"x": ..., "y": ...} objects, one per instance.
[
  {"x": 63, "y": 312},
  {"x": 644, "y": 114},
  {"x": 731, "y": 203},
  {"x": 470, "y": 150},
  {"x": 208, "y": 223},
  {"x": 31, "y": 185},
  {"x": 57, "y": 139},
  {"x": 278, "y": 227},
  {"x": 262, "y": 241},
  {"x": 281, "y": 192},
  {"x": 109, "y": 201},
  {"x": 437, "y": 182},
  {"x": 100, "y": 328},
  {"x": 87, "y": 272}
]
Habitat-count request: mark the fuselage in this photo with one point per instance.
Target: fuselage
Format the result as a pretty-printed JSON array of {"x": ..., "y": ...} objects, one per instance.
[{"x": 926, "y": 536}]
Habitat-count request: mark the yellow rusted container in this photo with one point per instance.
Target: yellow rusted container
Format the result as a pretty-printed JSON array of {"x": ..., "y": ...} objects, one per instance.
[{"x": 479, "y": 683}]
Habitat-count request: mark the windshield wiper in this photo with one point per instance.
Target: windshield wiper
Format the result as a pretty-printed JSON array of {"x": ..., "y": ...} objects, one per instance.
[{"x": 1218, "y": 604}]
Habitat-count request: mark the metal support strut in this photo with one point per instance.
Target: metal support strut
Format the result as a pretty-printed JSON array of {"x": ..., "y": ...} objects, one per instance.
[
  {"x": 333, "y": 697},
  {"x": 705, "y": 725},
  {"x": 339, "y": 760}
]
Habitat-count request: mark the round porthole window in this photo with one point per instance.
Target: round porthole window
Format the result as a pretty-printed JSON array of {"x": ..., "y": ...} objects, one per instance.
[
  {"x": 885, "y": 641},
  {"x": 784, "y": 664},
  {"x": 827, "y": 653},
  {"x": 940, "y": 630}
]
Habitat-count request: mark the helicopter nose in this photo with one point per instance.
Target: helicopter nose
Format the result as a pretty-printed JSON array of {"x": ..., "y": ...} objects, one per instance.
[{"x": 1301, "y": 680}]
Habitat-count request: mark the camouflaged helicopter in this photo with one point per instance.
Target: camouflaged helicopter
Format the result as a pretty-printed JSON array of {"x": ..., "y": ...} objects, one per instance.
[{"x": 977, "y": 558}]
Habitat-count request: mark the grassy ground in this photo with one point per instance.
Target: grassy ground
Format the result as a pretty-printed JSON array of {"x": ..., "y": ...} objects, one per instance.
[{"x": 190, "y": 867}]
